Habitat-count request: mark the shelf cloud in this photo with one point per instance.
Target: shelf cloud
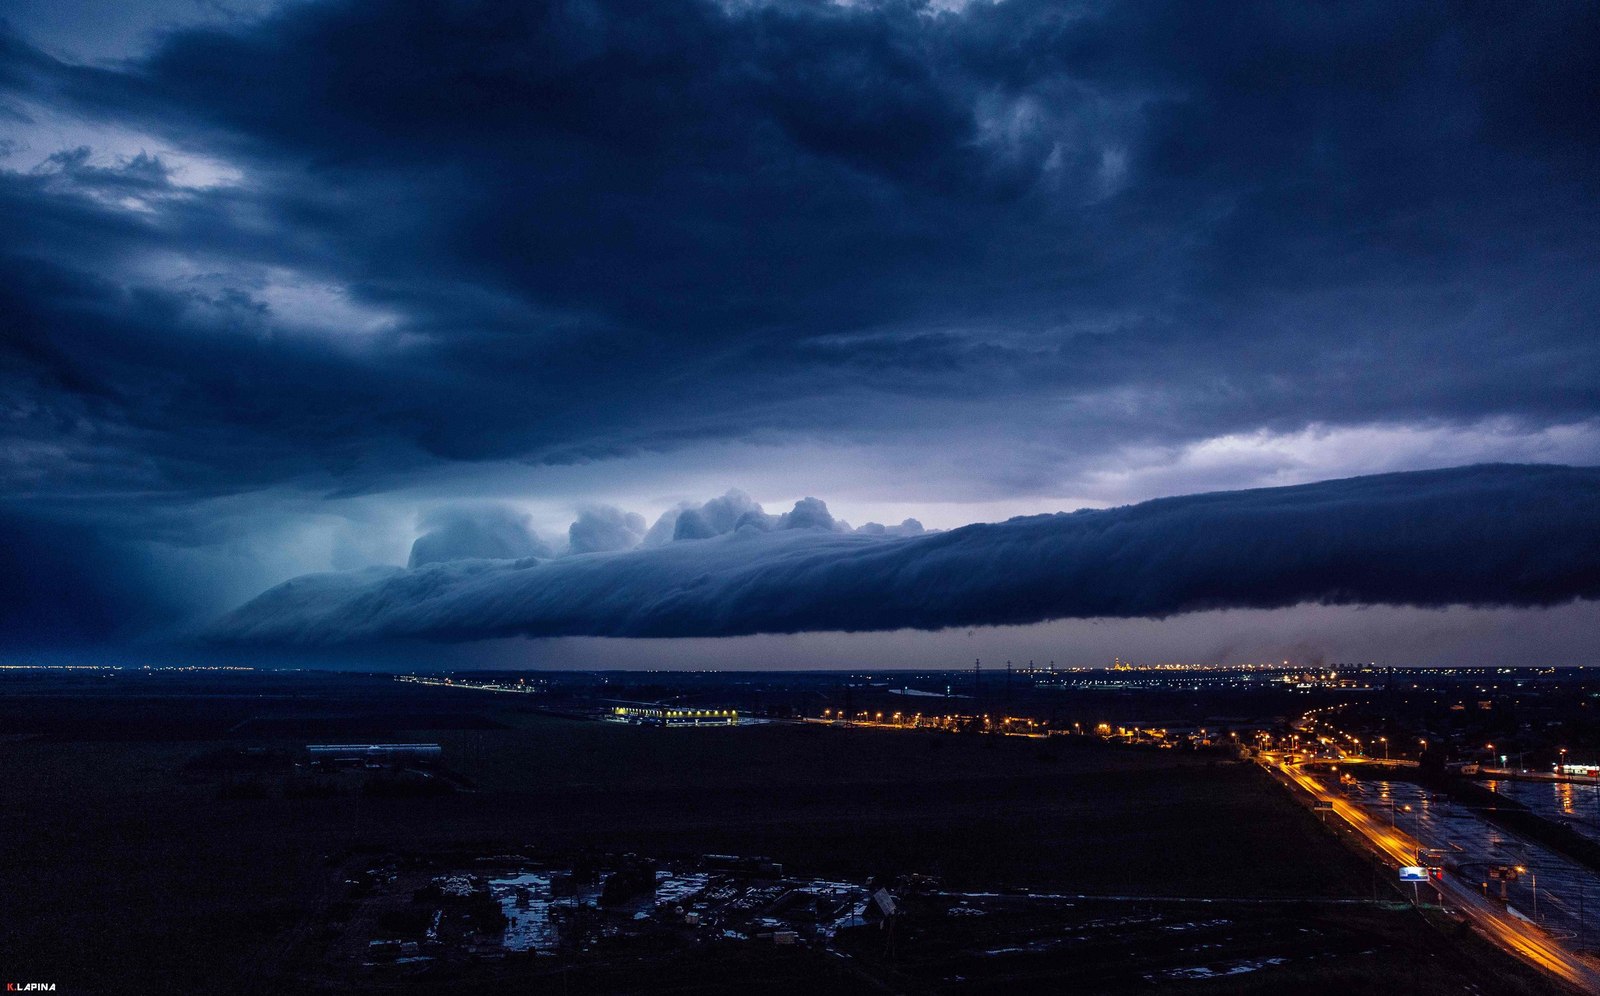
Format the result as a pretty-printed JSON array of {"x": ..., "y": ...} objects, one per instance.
[{"x": 1482, "y": 536}]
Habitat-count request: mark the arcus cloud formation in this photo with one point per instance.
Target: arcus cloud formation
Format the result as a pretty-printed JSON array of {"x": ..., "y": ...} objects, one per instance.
[{"x": 1486, "y": 535}]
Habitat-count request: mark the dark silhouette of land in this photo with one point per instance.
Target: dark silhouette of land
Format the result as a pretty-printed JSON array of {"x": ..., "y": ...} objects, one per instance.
[{"x": 162, "y": 833}]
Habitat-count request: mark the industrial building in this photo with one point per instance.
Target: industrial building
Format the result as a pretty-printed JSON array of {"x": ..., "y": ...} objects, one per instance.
[
  {"x": 674, "y": 717},
  {"x": 1590, "y": 770}
]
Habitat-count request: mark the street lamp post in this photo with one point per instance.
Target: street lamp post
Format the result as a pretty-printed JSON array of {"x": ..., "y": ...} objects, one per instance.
[
  {"x": 1533, "y": 874},
  {"x": 1394, "y": 807}
]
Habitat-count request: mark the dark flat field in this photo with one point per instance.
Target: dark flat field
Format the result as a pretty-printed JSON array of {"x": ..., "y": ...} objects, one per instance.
[{"x": 132, "y": 863}]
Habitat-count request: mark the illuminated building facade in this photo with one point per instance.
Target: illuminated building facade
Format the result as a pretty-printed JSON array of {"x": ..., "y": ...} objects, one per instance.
[{"x": 673, "y": 716}]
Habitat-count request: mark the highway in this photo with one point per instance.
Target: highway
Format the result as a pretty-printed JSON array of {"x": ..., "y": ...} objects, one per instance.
[
  {"x": 1523, "y": 939},
  {"x": 1553, "y": 890}
]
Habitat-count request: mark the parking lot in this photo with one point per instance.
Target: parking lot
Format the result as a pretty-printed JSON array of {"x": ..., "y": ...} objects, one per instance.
[{"x": 1571, "y": 804}]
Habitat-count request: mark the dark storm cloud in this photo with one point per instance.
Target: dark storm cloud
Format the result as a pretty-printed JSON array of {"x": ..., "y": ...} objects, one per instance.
[
  {"x": 619, "y": 226},
  {"x": 63, "y": 584},
  {"x": 355, "y": 243},
  {"x": 604, "y": 529},
  {"x": 468, "y": 532},
  {"x": 1494, "y": 535},
  {"x": 713, "y": 518}
]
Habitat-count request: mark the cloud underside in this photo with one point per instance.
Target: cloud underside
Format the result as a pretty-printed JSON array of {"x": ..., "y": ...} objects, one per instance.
[
  {"x": 1493, "y": 535},
  {"x": 279, "y": 252}
]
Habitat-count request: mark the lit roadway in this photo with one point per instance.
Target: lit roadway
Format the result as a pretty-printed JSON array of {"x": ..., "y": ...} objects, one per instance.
[
  {"x": 1519, "y": 937},
  {"x": 1553, "y": 888}
]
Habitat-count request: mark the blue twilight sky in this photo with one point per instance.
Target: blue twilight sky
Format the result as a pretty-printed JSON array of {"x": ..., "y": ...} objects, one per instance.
[{"x": 435, "y": 289}]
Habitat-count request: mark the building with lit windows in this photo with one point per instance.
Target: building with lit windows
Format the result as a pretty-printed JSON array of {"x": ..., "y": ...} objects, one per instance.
[
  {"x": 1591, "y": 770},
  {"x": 674, "y": 716}
]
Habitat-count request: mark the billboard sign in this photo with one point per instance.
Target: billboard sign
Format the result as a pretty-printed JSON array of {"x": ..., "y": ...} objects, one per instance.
[{"x": 1413, "y": 873}]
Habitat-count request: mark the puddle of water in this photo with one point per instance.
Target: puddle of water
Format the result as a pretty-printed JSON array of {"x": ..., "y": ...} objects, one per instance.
[{"x": 526, "y": 901}]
